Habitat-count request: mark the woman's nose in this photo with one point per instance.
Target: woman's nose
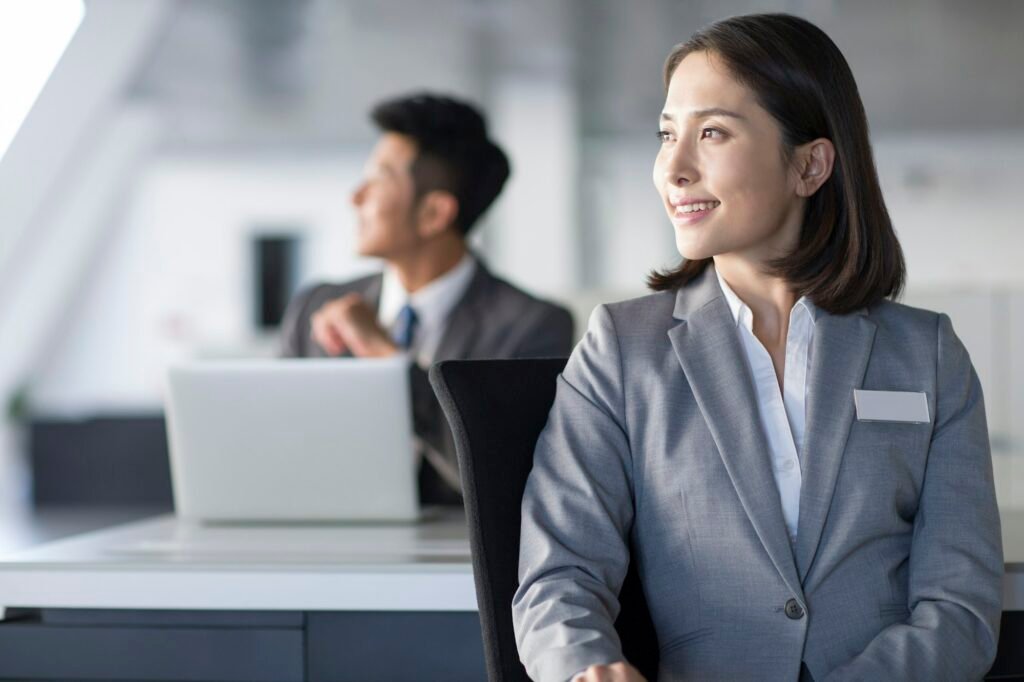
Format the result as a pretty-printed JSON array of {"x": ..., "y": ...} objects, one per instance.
[
  {"x": 358, "y": 194},
  {"x": 680, "y": 168}
]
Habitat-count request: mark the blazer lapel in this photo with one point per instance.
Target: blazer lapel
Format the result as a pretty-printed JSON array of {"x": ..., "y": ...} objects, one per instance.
[
  {"x": 709, "y": 351},
  {"x": 371, "y": 294},
  {"x": 839, "y": 358},
  {"x": 463, "y": 323}
]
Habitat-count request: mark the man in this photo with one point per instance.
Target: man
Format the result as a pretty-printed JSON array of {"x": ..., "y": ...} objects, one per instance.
[{"x": 431, "y": 175}]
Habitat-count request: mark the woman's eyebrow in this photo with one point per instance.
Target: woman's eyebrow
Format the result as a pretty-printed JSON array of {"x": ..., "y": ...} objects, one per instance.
[{"x": 703, "y": 113}]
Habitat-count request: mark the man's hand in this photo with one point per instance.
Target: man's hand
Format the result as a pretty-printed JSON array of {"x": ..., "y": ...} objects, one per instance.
[
  {"x": 348, "y": 324},
  {"x": 615, "y": 672}
]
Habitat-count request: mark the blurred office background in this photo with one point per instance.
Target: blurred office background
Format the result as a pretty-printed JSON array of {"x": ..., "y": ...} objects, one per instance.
[{"x": 187, "y": 164}]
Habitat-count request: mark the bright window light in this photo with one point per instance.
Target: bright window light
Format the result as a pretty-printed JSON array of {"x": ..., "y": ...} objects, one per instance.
[{"x": 33, "y": 36}]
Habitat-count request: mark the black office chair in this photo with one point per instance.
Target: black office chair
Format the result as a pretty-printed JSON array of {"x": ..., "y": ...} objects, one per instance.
[{"x": 496, "y": 410}]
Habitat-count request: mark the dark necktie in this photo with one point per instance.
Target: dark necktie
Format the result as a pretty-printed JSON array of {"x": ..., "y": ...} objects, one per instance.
[{"x": 405, "y": 327}]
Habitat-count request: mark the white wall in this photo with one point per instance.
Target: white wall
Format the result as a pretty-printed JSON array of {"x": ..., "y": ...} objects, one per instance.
[
  {"x": 68, "y": 159},
  {"x": 532, "y": 237},
  {"x": 175, "y": 280},
  {"x": 955, "y": 202},
  {"x": 623, "y": 221}
]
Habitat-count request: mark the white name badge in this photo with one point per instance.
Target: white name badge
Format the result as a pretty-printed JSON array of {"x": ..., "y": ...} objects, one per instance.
[{"x": 891, "y": 406}]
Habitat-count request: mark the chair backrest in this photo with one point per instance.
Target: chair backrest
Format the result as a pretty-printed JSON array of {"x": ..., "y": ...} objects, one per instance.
[{"x": 496, "y": 410}]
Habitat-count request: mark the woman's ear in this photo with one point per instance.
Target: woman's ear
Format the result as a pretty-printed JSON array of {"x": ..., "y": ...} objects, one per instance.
[
  {"x": 436, "y": 213},
  {"x": 814, "y": 162}
]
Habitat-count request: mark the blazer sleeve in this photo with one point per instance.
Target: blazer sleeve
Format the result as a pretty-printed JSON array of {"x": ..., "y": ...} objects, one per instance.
[
  {"x": 294, "y": 335},
  {"x": 577, "y": 514},
  {"x": 956, "y": 556},
  {"x": 549, "y": 335}
]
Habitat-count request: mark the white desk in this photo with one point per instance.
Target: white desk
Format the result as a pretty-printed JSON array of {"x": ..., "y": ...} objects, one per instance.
[
  {"x": 164, "y": 563},
  {"x": 22, "y": 527},
  {"x": 164, "y": 599}
]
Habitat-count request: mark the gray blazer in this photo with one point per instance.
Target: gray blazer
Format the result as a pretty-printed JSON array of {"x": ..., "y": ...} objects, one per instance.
[
  {"x": 493, "y": 320},
  {"x": 654, "y": 442}
]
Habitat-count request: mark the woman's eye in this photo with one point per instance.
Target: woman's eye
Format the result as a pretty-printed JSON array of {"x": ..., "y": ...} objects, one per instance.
[
  {"x": 705, "y": 133},
  {"x": 664, "y": 135}
]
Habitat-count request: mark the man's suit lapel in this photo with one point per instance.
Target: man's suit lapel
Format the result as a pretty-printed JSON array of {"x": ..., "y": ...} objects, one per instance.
[
  {"x": 463, "y": 325},
  {"x": 371, "y": 294},
  {"x": 709, "y": 351},
  {"x": 839, "y": 358}
]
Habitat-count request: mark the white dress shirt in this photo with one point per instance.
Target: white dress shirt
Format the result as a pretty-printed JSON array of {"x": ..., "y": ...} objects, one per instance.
[
  {"x": 782, "y": 416},
  {"x": 432, "y": 303}
]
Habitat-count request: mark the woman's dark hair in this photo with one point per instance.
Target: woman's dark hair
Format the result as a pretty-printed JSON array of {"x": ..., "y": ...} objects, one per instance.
[
  {"x": 848, "y": 256},
  {"x": 454, "y": 152}
]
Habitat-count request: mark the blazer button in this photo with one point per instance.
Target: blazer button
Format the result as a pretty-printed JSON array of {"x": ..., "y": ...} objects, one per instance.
[{"x": 794, "y": 610}]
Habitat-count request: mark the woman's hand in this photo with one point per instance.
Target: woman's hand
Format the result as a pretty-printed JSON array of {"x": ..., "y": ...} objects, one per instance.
[{"x": 615, "y": 672}]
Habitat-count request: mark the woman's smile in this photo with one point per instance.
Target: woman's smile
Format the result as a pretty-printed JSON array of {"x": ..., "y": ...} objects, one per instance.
[{"x": 688, "y": 212}]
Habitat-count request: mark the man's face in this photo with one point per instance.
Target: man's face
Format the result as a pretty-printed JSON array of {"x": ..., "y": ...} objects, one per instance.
[{"x": 385, "y": 199}]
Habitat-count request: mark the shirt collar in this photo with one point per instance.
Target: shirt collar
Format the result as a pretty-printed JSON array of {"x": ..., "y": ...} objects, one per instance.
[
  {"x": 742, "y": 314},
  {"x": 432, "y": 302}
]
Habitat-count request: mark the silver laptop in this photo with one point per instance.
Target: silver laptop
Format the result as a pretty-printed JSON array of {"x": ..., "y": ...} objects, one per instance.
[{"x": 292, "y": 440}]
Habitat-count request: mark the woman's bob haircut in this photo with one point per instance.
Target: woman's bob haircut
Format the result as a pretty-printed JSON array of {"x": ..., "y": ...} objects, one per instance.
[{"x": 848, "y": 256}]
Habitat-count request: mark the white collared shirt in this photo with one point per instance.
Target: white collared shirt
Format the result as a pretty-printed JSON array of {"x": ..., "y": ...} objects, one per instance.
[
  {"x": 782, "y": 416},
  {"x": 432, "y": 303}
]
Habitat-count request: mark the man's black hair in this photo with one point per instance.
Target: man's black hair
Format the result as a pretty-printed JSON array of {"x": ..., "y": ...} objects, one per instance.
[{"x": 454, "y": 152}]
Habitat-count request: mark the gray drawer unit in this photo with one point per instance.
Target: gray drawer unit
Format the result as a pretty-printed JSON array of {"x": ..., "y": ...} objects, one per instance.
[
  {"x": 152, "y": 645},
  {"x": 394, "y": 646},
  {"x": 240, "y": 646}
]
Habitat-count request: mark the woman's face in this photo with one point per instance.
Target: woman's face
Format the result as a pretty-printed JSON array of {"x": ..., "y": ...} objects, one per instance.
[{"x": 720, "y": 170}]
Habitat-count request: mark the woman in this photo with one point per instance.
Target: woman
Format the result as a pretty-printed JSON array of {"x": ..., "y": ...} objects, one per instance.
[{"x": 727, "y": 433}]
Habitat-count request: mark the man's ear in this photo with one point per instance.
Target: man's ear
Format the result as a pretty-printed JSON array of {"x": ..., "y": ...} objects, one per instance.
[
  {"x": 814, "y": 161},
  {"x": 436, "y": 213}
]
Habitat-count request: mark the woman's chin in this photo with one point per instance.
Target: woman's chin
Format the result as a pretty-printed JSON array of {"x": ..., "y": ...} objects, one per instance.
[{"x": 691, "y": 251}]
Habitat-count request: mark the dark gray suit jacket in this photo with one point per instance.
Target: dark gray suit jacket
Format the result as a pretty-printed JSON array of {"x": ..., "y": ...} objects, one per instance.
[{"x": 492, "y": 320}]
